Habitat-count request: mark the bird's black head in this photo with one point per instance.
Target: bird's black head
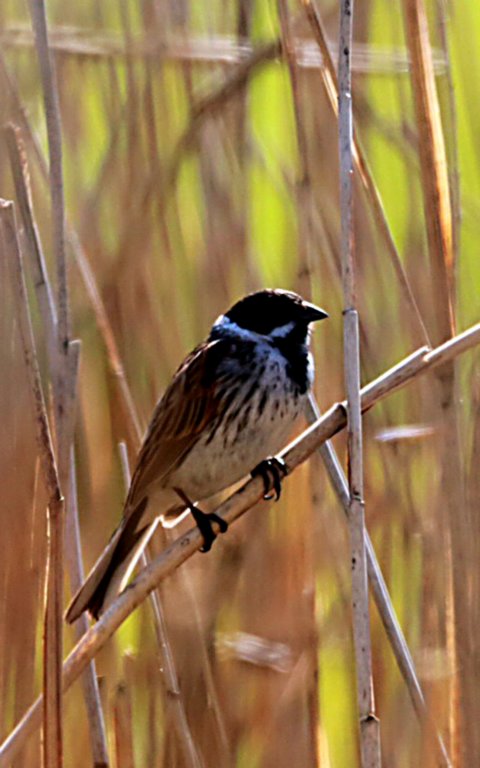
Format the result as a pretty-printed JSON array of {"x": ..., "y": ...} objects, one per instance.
[
  {"x": 283, "y": 319},
  {"x": 271, "y": 311}
]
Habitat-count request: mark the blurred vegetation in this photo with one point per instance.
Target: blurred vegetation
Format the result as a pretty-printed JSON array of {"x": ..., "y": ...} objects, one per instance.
[{"x": 180, "y": 211}]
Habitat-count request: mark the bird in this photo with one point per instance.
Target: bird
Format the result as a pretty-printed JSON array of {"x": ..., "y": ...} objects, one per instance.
[{"x": 229, "y": 408}]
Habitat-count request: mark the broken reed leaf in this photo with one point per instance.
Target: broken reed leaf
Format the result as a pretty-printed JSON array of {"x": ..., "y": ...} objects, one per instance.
[{"x": 404, "y": 432}]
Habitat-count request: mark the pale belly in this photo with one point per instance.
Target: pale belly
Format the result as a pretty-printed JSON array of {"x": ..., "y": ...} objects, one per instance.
[{"x": 232, "y": 454}]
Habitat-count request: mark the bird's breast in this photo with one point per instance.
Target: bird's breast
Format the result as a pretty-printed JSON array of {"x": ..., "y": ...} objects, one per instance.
[{"x": 257, "y": 423}]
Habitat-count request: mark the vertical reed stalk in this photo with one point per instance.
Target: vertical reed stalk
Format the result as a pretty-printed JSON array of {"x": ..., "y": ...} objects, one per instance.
[
  {"x": 369, "y": 725},
  {"x": 44, "y": 293},
  {"x": 361, "y": 165},
  {"x": 64, "y": 387},
  {"x": 439, "y": 223},
  {"x": 382, "y": 599},
  {"x": 52, "y": 680}
]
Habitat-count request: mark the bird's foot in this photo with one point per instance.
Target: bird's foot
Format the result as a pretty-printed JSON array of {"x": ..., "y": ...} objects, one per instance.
[
  {"x": 204, "y": 521},
  {"x": 272, "y": 471}
]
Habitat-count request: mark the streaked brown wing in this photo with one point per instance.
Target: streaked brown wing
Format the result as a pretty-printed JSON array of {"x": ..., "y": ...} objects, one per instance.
[{"x": 190, "y": 403}]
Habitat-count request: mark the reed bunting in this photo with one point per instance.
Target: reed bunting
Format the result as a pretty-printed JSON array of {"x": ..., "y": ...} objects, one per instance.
[{"x": 231, "y": 405}]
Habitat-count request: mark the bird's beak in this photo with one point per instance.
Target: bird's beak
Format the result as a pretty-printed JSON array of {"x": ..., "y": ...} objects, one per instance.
[{"x": 313, "y": 313}]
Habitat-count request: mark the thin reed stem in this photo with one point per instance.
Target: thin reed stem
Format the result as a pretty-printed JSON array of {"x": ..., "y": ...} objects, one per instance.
[
  {"x": 368, "y": 722},
  {"x": 20, "y": 172},
  {"x": 173, "y": 694},
  {"x": 439, "y": 219},
  {"x": 52, "y": 636},
  {"x": 382, "y": 598},
  {"x": 362, "y": 168},
  {"x": 98, "y": 736},
  {"x": 64, "y": 385}
]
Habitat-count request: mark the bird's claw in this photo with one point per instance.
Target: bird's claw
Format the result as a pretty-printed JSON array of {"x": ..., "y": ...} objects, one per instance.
[
  {"x": 204, "y": 523},
  {"x": 272, "y": 471}
]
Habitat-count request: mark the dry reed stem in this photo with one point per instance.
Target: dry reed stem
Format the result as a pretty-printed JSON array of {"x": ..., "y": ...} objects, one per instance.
[
  {"x": 123, "y": 396},
  {"x": 54, "y": 132},
  {"x": 63, "y": 384},
  {"x": 362, "y": 167},
  {"x": 213, "y": 101},
  {"x": 438, "y": 215},
  {"x": 200, "y": 49},
  {"x": 382, "y": 598},
  {"x": 21, "y": 179},
  {"x": 305, "y": 259},
  {"x": 185, "y": 546},
  {"x": 20, "y": 172},
  {"x": 93, "y": 703},
  {"x": 451, "y": 132},
  {"x": 303, "y": 192},
  {"x": 368, "y": 723},
  {"x": 433, "y": 162},
  {"x": 52, "y": 742},
  {"x": 173, "y": 694},
  {"x": 52, "y": 646},
  {"x": 122, "y": 391},
  {"x": 53, "y": 632},
  {"x": 122, "y": 727}
]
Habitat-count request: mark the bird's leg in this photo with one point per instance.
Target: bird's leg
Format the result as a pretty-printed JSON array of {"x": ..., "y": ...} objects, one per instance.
[
  {"x": 204, "y": 521},
  {"x": 272, "y": 471}
]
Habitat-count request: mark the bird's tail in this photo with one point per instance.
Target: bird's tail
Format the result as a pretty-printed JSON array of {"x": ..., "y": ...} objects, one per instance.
[{"x": 113, "y": 568}]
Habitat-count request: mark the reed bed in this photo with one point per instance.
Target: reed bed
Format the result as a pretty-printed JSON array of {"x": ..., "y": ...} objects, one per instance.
[{"x": 157, "y": 161}]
